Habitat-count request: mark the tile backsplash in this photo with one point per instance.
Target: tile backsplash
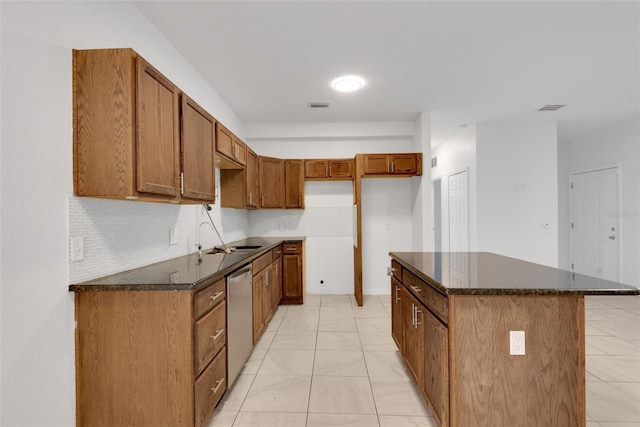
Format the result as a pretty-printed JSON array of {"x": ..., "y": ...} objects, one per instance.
[{"x": 121, "y": 235}]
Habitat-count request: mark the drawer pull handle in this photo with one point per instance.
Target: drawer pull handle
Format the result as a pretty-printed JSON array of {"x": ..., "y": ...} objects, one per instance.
[
  {"x": 416, "y": 289},
  {"x": 219, "y": 382},
  {"x": 217, "y": 295},
  {"x": 217, "y": 335},
  {"x": 397, "y": 297}
]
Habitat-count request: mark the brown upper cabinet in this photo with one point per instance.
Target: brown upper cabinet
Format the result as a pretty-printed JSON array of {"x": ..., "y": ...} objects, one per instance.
[
  {"x": 271, "y": 179},
  {"x": 328, "y": 169},
  {"x": 239, "y": 187},
  {"x": 198, "y": 146},
  {"x": 232, "y": 152},
  {"x": 127, "y": 138},
  {"x": 406, "y": 164},
  {"x": 293, "y": 184}
]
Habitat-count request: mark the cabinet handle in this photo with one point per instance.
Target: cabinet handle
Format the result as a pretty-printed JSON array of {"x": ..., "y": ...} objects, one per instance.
[
  {"x": 217, "y": 295},
  {"x": 418, "y": 311},
  {"x": 416, "y": 289},
  {"x": 397, "y": 297},
  {"x": 266, "y": 278},
  {"x": 413, "y": 314},
  {"x": 217, "y": 335},
  {"x": 181, "y": 182},
  {"x": 219, "y": 382}
]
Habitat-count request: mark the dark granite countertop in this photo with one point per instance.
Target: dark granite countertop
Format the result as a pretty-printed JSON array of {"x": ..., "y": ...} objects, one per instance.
[
  {"x": 185, "y": 272},
  {"x": 484, "y": 273}
]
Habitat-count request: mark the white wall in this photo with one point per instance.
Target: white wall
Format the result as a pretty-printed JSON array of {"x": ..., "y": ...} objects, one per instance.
[
  {"x": 36, "y": 194},
  {"x": 517, "y": 190},
  {"x": 327, "y": 220},
  {"x": 616, "y": 146}
]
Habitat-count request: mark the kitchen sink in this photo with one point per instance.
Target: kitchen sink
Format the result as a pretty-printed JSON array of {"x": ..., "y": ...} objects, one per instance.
[{"x": 234, "y": 249}]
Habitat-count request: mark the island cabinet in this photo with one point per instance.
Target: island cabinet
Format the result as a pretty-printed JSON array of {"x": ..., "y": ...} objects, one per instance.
[
  {"x": 131, "y": 138},
  {"x": 150, "y": 357},
  {"x": 328, "y": 169},
  {"x": 406, "y": 164},
  {"x": 457, "y": 312},
  {"x": 232, "y": 151},
  {"x": 293, "y": 283}
]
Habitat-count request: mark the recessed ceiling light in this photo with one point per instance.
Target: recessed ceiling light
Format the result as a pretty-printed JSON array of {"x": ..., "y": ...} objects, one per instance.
[{"x": 348, "y": 83}]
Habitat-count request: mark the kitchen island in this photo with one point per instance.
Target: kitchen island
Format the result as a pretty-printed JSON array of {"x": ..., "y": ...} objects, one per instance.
[
  {"x": 492, "y": 340},
  {"x": 160, "y": 344}
]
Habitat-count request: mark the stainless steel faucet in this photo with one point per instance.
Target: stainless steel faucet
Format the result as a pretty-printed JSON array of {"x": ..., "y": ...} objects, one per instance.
[{"x": 199, "y": 244}]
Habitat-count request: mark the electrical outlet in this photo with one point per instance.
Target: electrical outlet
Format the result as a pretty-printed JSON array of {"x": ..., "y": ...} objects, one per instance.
[
  {"x": 174, "y": 277},
  {"x": 516, "y": 343},
  {"x": 281, "y": 226},
  {"x": 174, "y": 238},
  {"x": 77, "y": 249}
]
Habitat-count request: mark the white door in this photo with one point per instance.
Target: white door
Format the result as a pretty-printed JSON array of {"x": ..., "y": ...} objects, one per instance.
[
  {"x": 437, "y": 215},
  {"x": 595, "y": 228},
  {"x": 459, "y": 227},
  {"x": 458, "y": 213}
]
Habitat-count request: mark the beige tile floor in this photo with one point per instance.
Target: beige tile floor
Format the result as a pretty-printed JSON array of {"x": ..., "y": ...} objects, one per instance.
[{"x": 329, "y": 363}]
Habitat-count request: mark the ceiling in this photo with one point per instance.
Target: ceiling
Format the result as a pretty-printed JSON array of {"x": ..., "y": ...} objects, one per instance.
[{"x": 463, "y": 62}]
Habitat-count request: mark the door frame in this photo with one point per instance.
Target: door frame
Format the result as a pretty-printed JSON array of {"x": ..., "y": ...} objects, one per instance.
[
  {"x": 437, "y": 213},
  {"x": 618, "y": 167}
]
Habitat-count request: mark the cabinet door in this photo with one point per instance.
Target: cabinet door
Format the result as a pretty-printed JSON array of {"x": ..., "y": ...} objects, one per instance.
[
  {"x": 413, "y": 339},
  {"x": 341, "y": 168},
  {"x": 403, "y": 163},
  {"x": 396, "y": 312},
  {"x": 436, "y": 368},
  {"x": 294, "y": 184},
  {"x": 316, "y": 169},
  {"x": 197, "y": 152},
  {"x": 266, "y": 295},
  {"x": 292, "y": 277},
  {"x": 224, "y": 141},
  {"x": 271, "y": 172},
  {"x": 258, "y": 291},
  {"x": 276, "y": 283},
  {"x": 239, "y": 151},
  {"x": 251, "y": 171},
  {"x": 376, "y": 163},
  {"x": 158, "y": 136}
]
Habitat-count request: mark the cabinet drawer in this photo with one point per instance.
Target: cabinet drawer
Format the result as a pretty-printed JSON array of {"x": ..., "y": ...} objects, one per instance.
[
  {"x": 261, "y": 263},
  {"x": 209, "y": 336},
  {"x": 396, "y": 268},
  {"x": 208, "y": 298},
  {"x": 292, "y": 248},
  {"x": 276, "y": 253},
  {"x": 210, "y": 387},
  {"x": 432, "y": 299}
]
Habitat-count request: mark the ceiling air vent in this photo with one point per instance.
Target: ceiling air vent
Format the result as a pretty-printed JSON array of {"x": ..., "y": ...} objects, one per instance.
[
  {"x": 318, "y": 105},
  {"x": 551, "y": 107}
]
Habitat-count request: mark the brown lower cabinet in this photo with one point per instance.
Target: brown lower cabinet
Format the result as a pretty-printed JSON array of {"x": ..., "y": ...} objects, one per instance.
[
  {"x": 150, "y": 358},
  {"x": 293, "y": 284}
]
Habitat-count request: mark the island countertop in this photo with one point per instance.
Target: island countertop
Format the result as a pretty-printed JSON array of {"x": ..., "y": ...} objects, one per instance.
[
  {"x": 186, "y": 272},
  {"x": 484, "y": 273}
]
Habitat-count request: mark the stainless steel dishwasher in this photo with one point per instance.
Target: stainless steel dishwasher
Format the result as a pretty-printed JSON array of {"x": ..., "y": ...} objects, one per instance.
[{"x": 239, "y": 321}]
